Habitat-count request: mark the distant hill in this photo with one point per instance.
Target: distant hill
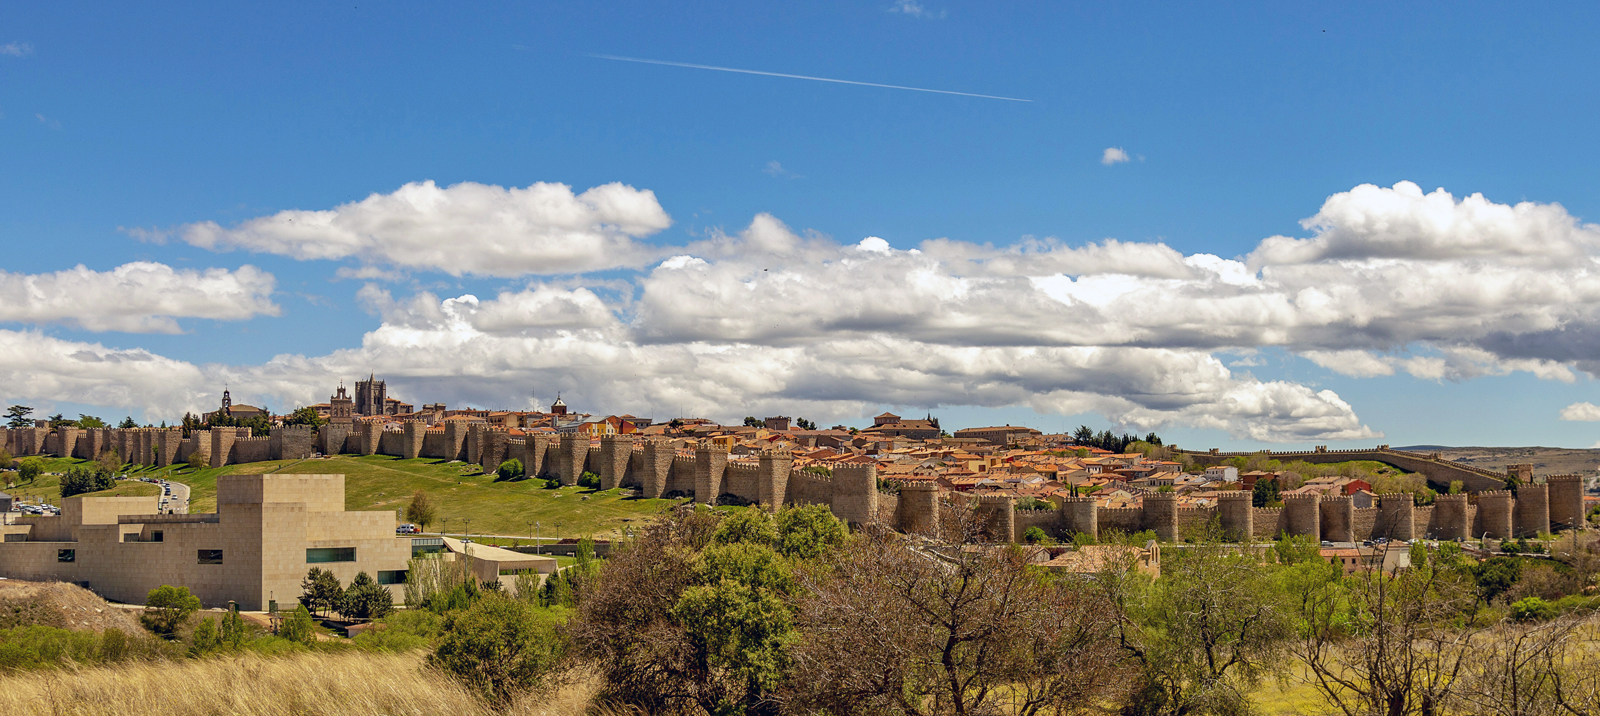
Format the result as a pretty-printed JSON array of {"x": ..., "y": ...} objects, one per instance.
[{"x": 1546, "y": 460}]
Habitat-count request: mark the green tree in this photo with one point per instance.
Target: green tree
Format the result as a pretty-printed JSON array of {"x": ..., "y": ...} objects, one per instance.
[
  {"x": 751, "y": 525},
  {"x": 751, "y": 421},
  {"x": 206, "y": 638},
  {"x": 233, "y": 631},
  {"x": 1036, "y": 535},
  {"x": 320, "y": 590},
  {"x": 510, "y": 469},
  {"x": 1264, "y": 493},
  {"x": 197, "y": 460},
  {"x": 108, "y": 462},
  {"x": 305, "y": 416},
  {"x": 167, "y": 608},
  {"x": 1204, "y": 635},
  {"x": 804, "y": 424},
  {"x": 89, "y": 421},
  {"x": 809, "y": 532},
  {"x": 589, "y": 480},
  {"x": 499, "y": 648},
  {"x": 17, "y": 416},
  {"x": 59, "y": 420},
  {"x": 127, "y": 423},
  {"x": 421, "y": 511},
  {"x": 29, "y": 470},
  {"x": 1496, "y": 576},
  {"x": 298, "y": 627},
  {"x": 76, "y": 481},
  {"x": 6, "y": 460},
  {"x": 365, "y": 599}
]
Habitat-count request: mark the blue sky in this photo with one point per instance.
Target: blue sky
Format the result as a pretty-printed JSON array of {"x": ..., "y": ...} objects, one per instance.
[{"x": 1239, "y": 121}]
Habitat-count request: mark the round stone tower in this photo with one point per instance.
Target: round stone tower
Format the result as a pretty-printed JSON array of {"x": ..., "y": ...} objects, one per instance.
[
  {"x": 1081, "y": 514},
  {"x": 999, "y": 515},
  {"x": 1533, "y": 509},
  {"x": 1566, "y": 502},
  {"x": 1338, "y": 519},
  {"x": 1161, "y": 515},
  {"x": 1495, "y": 514},
  {"x": 1303, "y": 515},
  {"x": 1398, "y": 516},
  {"x": 1237, "y": 515},
  {"x": 1450, "y": 517},
  {"x": 919, "y": 507}
]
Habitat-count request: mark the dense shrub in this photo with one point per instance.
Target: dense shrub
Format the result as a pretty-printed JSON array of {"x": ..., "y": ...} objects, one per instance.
[
  {"x": 168, "y": 607},
  {"x": 35, "y": 647},
  {"x": 500, "y": 648}
]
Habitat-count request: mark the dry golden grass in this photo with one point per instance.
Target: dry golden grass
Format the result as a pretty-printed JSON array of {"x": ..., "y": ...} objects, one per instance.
[{"x": 355, "y": 684}]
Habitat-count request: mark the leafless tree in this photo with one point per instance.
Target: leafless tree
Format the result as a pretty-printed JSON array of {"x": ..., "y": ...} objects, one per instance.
[
  {"x": 895, "y": 625},
  {"x": 1389, "y": 644},
  {"x": 623, "y": 628},
  {"x": 1521, "y": 670}
]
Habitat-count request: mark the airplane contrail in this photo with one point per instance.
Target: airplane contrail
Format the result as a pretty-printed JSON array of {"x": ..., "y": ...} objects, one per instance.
[{"x": 801, "y": 77}]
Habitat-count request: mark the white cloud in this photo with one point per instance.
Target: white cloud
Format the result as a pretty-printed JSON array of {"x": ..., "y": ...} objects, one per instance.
[
  {"x": 915, "y": 9},
  {"x": 1356, "y": 364},
  {"x": 36, "y": 368},
  {"x": 139, "y": 297},
  {"x": 1584, "y": 412},
  {"x": 1113, "y": 155},
  {"x": 47, "y": 122},
  {"x": 16, "y": 49},
  {"x": 774, "y": 168},
  {"x": 1401, "y": 222},
  {"x": 1391, "y": 281},
  {"x": 465, "y": 228},
  {"x": 368, "y": 273}
]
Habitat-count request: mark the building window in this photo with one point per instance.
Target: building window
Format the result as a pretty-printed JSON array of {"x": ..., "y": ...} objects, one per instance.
[
  {"x": 66, "y": 555},
  {"x": 426, "y": 545},
  {"x": 391, "y": 576},
  {"x": 320, "y": 555},
  {"x": 156, "y": 536},
  {"x": 16, "y": 537},
  {"x": 210, "y": 556}
]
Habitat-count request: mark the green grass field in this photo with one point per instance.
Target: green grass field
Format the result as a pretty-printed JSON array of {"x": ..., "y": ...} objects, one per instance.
[{"x": 465, "y": 497}]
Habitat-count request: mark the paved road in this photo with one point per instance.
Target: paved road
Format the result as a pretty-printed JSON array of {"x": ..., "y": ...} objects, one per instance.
[{"x": 178, "y": 501}]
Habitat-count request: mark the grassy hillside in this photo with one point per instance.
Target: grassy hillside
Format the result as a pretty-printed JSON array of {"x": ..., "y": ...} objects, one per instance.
[
  {"x": 379, "y": 482},
  {"x": 461, "y": 492},
  {"x": 128, "y": 488}
]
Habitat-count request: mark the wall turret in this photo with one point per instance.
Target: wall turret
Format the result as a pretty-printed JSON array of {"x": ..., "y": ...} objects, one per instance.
[
  {"x": 772, "y": 478},
  {"x": 1496, "y": 514},
  {"x": 1081, "y": 515},
  {"x": 1566, "y": 501},
  {"x": 919, "y": 508},
  {"x": 1161, "y": 515},
  {"x": 998, "y": 514},
  {"x": 710, "y": 462},
  {"x": 855, "y": 492},
  {"x": 1450, "y": 521},
  {"x": 1533, "y": 509},
  {"x": 1396, "y": 517},
  {"x": 1236, "y": 515},
  {"x": 1337, "y": 519},
  {"x": 1303, "y": 515},
  {"x": 615, "y": 451}
]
